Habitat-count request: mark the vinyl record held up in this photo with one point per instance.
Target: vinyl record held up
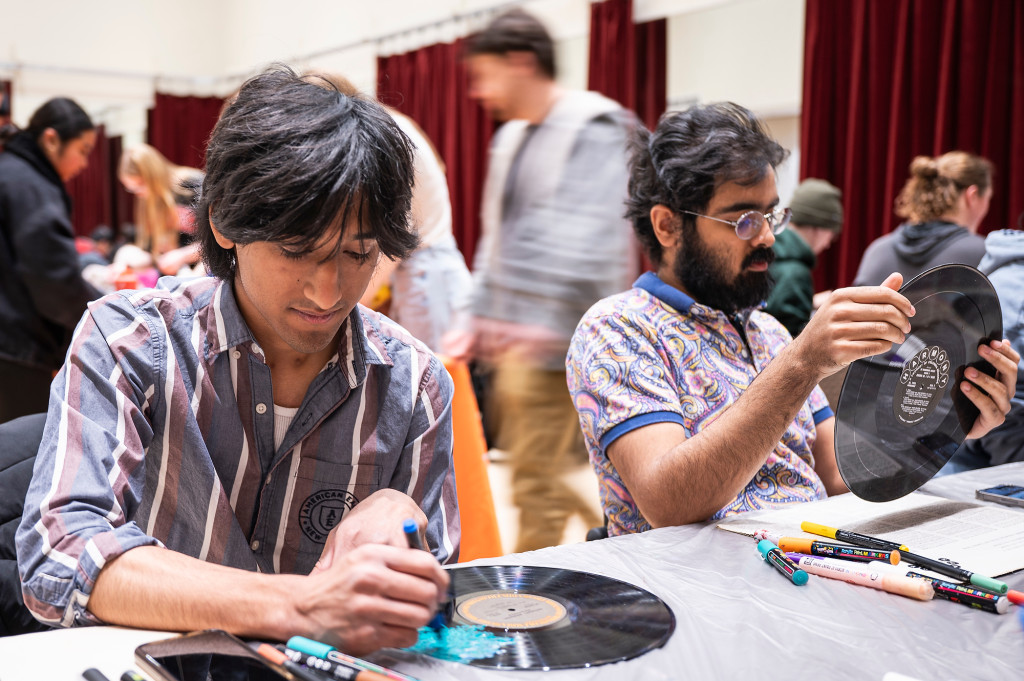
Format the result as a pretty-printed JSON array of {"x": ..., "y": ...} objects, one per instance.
[{"x": 901, "y": 414}]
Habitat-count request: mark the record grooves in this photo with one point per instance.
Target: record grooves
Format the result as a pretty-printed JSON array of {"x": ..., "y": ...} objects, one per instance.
[
  {"x": 901, "y": 415},
  {"x": 558, "y": 619}
]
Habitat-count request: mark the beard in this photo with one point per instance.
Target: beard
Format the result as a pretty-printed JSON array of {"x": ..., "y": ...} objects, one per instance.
[{"x": 704, "y": 275}]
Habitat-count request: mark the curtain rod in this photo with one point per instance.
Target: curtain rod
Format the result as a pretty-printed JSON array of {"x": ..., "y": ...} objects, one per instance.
[
  {"x": 377, "y": 40},
  {"x": 82, "y": 71},
  {"x": 213, "y": 81}
]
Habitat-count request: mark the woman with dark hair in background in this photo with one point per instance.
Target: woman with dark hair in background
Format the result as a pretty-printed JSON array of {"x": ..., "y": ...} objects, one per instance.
[
  {"x": 42, "y": 294},
  {"x": 944, "y": 202}
]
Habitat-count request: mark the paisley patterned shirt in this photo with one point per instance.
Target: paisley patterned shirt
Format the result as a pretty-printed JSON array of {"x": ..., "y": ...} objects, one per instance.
[{"x": 653, "y": 355}]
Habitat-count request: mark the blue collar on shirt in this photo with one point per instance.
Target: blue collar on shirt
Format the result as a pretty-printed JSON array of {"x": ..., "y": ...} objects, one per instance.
[
  {"x": 668, "y": 294},
  {"x": 676, "y": 299}
]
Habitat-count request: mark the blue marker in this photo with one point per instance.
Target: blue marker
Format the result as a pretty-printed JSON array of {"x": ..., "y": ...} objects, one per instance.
[
  {"x": 412, "y": 535},
  {"x": 772, "y": 555}
]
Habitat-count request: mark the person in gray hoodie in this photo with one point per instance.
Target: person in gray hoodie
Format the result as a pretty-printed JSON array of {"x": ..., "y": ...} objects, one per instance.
[
  {"x": 1004, "y": 265},
  {"x": 944, "y": 202}
]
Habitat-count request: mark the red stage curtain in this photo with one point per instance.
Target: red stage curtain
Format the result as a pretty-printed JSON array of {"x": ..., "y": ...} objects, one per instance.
[
  {"x": 90, "y": 190},
  {"x": 5, "y": 96},
  {"x": 180, "y": 127},
  {"x": 97, "y": 196},
  {"x": 430, "y": 85},
  {"x": 5, "y": 99},
  {"x": 122, "y": 202},
  {"x": 886, "y": 81},
  {"x": 628, "y": 61}
]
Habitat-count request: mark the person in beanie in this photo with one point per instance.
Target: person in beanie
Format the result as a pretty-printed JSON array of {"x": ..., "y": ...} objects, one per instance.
[{"x": 817, "y": 219}]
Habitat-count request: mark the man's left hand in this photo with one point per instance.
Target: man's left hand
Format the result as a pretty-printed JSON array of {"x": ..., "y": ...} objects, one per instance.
[
  {"x": 377, "y": 519},
  {"x": 994, "y": 406}
]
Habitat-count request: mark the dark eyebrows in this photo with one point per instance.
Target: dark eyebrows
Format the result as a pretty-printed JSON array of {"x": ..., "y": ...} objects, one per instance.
[{"x": 745, "y": 206}]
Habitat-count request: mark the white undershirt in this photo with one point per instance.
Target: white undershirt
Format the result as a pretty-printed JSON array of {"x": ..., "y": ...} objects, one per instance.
[{"x": 283, "y": 417}]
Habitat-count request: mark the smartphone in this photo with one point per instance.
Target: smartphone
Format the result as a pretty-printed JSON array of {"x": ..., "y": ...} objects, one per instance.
[
  {"x": 1011, "y": 495},
  {"x": 211, "y": 655}
]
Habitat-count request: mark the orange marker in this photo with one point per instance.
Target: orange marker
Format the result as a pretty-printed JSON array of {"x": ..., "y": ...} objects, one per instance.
[
  {"x": 820, "y": 548},
  {"x": 280, "y": 659}
]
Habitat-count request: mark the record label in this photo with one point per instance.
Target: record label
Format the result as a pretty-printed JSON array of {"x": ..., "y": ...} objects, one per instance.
[
  {"x": 901, "y": 414},
  {"x": 510, "y": 610},
  {"x": 922, "y": 382}
]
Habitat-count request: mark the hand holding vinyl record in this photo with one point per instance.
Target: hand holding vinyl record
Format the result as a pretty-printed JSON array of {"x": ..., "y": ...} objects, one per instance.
[
  {"x": 854, "y": 323},
  {"x": 903, "y": 413},
  {"x": 993, "y": 400}
]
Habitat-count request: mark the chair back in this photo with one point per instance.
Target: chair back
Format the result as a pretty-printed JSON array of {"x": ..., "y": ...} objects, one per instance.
[
  {"x": 19, "y": 442},
  {"x": 480, "y": 535}
]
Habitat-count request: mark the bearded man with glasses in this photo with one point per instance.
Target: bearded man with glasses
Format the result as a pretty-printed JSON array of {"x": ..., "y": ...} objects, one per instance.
[{"x": 694, "y": 403}]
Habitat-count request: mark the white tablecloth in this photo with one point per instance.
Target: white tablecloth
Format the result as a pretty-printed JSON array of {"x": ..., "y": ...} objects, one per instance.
[{"x": 736, "y": 618}]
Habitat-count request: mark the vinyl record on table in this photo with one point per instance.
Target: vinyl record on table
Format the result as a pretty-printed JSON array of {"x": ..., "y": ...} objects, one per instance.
[
  {"x": 901, "y": 415},
  {"x": 558, "y": 619}
]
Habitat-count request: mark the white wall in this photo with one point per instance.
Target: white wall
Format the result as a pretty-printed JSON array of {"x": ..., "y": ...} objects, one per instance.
[
  {"x": 746, "y": 51},
  {"x": 108, "y": 55},
  {"x": 111, "y": 55},
  {"x": 786, "y": 130},
  {"x": 347, "y": 36},
  {"x": 115, "y": 53}
]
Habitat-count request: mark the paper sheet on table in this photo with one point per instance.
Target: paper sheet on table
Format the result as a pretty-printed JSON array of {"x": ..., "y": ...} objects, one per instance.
[{"x": 981, "y": 538}]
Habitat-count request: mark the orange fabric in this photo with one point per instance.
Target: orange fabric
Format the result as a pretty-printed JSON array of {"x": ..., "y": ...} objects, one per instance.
[{"x": 480, "y": 536}]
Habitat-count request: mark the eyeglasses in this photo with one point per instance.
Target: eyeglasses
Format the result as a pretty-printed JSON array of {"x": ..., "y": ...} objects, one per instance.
[{"x": 750, "y": 223}]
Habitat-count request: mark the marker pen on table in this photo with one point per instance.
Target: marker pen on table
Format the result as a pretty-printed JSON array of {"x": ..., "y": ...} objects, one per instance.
[
  {"x": 297, "y": 670},
  {"x": 855, "y": 573},
  {"x": 820, "y": 548},
  {"x": 412, "y": 536},
  {"x": 957, "y": 593},
  {"x": 773, "y": 537},
  {"x": 852, "y": 537},
  {"x": 917, "y": 559},
  {"x": 335, "y": 670},
  {"x": 326, "y": 652},
  {"x": 92, "y": 674},
  {"x": 132, "y": 675},
  {"x": 774, "y": 557},
  {"x": 956, "y": 572}
]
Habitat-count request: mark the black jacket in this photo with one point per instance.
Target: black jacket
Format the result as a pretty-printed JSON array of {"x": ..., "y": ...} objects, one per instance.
[
  {"x": 42, "y": 294},
  {"x": 19, "y": 440},
  {"x": 792, "y": 298}
]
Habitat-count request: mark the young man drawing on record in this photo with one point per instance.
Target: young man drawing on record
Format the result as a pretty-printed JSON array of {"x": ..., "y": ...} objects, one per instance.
[
  {"x": 240, "y": 451},
  {"x": 694, "y": 403}
]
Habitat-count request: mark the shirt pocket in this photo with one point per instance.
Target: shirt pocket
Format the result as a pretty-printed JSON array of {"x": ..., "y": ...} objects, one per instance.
[{"x": 322, "y": 494}]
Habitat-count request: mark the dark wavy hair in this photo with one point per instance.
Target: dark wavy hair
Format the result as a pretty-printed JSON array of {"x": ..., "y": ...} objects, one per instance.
[
  {"x": 63, "y": 115},
  {"x": 290, "y": 156},
  {"x": 515, "y": 31},
  {"x": 688, "y": 156}
]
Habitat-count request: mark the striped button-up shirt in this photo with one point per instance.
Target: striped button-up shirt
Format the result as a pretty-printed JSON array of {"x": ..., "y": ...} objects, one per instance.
[{"x": 161, "y": 432}]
